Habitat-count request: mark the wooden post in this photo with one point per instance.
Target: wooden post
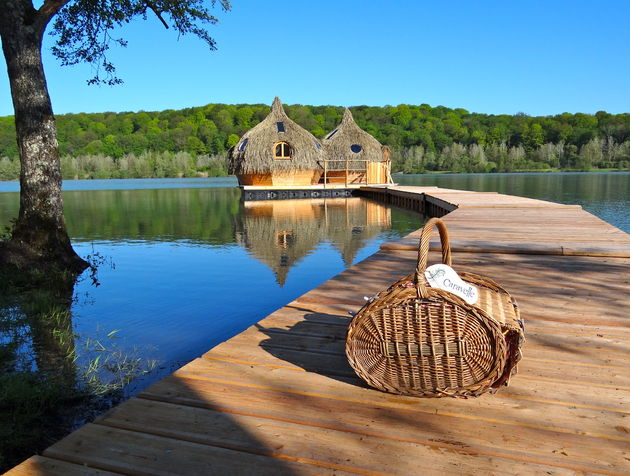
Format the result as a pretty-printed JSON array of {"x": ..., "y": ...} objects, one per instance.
[{"x": 387, "y": 165}]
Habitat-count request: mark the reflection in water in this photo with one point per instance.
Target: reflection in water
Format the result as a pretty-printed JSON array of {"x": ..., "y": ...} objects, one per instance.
[
  {"x": 51, "y": 379},
  {"x": 36, "y": 328},
  {"x": 202, "y": 215},
  {"x": 194, "y": 215},
  {"x": 280, "y": 233},
  {"x": 38, "y": 371}
]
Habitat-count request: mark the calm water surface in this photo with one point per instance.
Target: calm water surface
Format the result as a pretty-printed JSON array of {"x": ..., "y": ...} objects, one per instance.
[{"x": 186, "y": 268}]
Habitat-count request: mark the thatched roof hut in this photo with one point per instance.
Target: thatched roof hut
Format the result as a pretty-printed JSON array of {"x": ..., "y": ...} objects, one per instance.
[
  {"x": 276, "y": 144},
  {"x": 349, "y": 142}
]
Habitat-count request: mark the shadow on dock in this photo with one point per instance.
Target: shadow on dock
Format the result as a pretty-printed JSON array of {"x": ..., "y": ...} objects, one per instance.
[{"x": 315, "y": 344}]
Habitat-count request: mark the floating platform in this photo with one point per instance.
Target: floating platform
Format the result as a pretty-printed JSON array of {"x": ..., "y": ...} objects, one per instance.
[
  {"x": 251, "y": 192},
  {"x": 280, "y": 397}
]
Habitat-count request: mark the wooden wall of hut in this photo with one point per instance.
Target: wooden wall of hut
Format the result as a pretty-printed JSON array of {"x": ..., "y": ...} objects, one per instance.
[{"x": 280, "y": 178}]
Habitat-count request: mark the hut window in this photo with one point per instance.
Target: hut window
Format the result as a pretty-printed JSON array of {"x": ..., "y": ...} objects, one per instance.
[
  {"x": 280, "y": 126},
  {"x": 356, "y": 148},
  {"x": 241, "y": 148},
  {"x": 282, "y": 150},
  {"x": 329, "y": 136}
]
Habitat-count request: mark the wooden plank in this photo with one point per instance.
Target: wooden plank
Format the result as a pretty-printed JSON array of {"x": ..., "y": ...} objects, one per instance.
[
  {"x": 571, "y": 350},
  {"x": 334, "y": 344},
  {"x": 331, "y": 361},
  {"x": 521, "y": 388},
  {"x": 560, "y": 395},
  {"x": 544, "y": 327},
  {"x": 598, "y": 286},
  {"x": 547, "y": 324},
  {"x": 326, "y": 447},
  {"x": 551, "y": 328},
  {"x": 488, "y": 408},
  {"x": 402, "y": 418},
  {"x": 557, "y": 274},
  {"x": 42, "y": 466},
  {"x": 489, "y": 199},
  {"x": 138, "y": 453},
  {"x": 538, "y": 248}
]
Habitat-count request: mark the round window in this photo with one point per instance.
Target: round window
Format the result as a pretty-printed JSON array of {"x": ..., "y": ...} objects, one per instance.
[
  {"x": 282, "y": 150},
  {"x": 356, "y": 148}
]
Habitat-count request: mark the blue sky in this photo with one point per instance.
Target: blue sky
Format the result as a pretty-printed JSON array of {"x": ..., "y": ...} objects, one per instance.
[{"x": 496, "y": 57}]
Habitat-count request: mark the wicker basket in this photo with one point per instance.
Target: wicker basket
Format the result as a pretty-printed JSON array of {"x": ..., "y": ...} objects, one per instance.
[{"x": 413, "y": 339}]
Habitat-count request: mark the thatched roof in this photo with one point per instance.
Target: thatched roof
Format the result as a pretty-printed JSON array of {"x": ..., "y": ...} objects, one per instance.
[
  {"x": 254, "y": 152},
  {"x": 349, "y": 142}
]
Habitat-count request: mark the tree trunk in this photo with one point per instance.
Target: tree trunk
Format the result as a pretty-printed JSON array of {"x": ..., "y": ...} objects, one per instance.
[{"x": 39, "y": 236}]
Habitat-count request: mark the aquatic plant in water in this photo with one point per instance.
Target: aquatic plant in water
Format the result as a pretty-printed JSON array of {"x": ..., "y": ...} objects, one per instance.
[{"x": 52, "y": 379}]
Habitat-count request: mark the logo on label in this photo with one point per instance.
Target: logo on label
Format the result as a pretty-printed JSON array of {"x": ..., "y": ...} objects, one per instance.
[{"x": 442, "y": 276}]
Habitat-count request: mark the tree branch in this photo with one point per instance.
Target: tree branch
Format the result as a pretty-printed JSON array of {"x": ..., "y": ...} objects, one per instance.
[
  {"x": 49, "y": 9},
  {"x": 157, "y": 12}
]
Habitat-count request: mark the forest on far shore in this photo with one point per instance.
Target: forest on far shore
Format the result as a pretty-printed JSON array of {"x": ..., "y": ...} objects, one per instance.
[{"x": 193, "y": 142}]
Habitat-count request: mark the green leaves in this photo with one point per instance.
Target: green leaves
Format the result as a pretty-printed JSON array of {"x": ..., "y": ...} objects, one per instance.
[
  {"x": 147, "y": 144},
  {"x": 84, "y": 28}
]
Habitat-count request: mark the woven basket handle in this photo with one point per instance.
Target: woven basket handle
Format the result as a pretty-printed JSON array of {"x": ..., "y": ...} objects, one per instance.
[{"x": 423, "y": 250}]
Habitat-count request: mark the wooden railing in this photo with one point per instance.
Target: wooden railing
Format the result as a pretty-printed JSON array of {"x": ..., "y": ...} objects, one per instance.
[{"x": 346, "y": 170}]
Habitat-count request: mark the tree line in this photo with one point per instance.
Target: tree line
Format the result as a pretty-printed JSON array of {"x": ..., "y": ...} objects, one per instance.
[{"x": 194, "y": 141}]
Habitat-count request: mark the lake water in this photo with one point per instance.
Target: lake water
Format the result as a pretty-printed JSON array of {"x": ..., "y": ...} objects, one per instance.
[{"x": 184, "y": 269}]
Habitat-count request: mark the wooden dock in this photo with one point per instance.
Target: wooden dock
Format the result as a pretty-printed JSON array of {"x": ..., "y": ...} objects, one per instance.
[{"x": 280, "y": 398}]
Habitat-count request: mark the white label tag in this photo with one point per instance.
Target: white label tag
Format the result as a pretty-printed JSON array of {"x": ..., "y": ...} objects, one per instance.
[{"x": 444, "y": 277}]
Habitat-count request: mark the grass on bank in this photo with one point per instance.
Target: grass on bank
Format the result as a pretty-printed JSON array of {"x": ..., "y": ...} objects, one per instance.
[{"x": 51, "y": 379}]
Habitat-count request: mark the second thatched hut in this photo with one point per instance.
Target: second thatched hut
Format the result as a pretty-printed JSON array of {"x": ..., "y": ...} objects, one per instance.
[{"x": 354, "y": 156}]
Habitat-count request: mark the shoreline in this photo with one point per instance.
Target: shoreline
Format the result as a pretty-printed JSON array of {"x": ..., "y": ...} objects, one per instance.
[{"x": 427, "y": 173}]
